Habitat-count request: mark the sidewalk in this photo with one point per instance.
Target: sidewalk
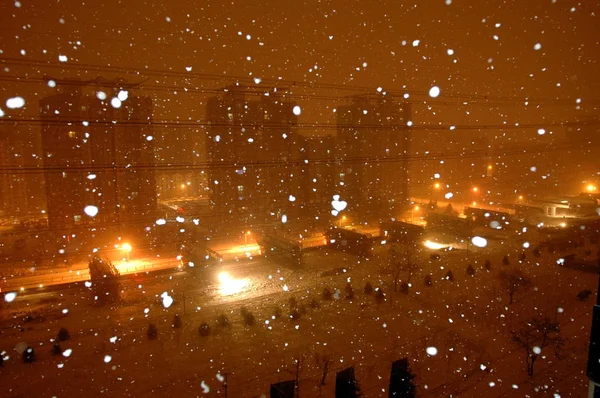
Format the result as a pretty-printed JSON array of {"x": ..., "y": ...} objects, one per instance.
[{"x": 79, "y": 272}]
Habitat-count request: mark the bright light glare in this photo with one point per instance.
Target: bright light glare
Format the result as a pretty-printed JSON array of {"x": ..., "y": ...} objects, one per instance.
[
  {"x": 479, "y": 241},
  {"x": 126, "y": 247},
  {"x": 591, "y": 188},
  {"x": 434, "y": 245},
  {"x": 229, "y": 286}
]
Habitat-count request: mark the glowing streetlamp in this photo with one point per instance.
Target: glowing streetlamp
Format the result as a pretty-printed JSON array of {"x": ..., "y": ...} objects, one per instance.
[
  {"x": 591, "y": 188},
  {"x": 475, "y": 189},
  {"x": 127, "y": 248},
  {"x": 437, "y": 185},
  {"x": 342, "y": 221},
  {"x": 412, "y": 211},
  {"x": 246, "y": 238}
]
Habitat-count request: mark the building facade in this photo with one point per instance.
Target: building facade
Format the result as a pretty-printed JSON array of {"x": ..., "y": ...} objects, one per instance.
[
  {"x": 97, "y": 151},
  {"x": 255, "y": 158},
  {"x": 373, "y": 145}
]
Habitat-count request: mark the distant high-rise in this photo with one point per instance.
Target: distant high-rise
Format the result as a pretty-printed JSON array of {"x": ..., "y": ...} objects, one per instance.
[
  {"x": 97, "y": 151},
  {"x": 254, "y": 153},
  {"x": 372, "y": 150},
  {"x": 20, "y": 177}
]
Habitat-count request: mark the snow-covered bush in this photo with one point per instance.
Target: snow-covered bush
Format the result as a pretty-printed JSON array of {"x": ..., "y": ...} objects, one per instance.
[
  {"x": 204, "y": 329},
  {"x": 152, "y": 331},
  {"x": 177, "y": 321},
  {"x": 470, "y": 270},
  {"x": 63, "y": 334}
]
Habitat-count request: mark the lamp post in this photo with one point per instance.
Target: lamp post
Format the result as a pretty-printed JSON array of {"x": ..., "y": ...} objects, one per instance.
[
  {"x": 127, "y": 249},
  {"x": 412, "y": 211},
  {"x": 246, "y": 238},
  {"x": 342, "y": 221}
]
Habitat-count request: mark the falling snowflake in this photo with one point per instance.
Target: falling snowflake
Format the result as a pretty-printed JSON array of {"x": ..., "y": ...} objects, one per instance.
[
  {"x": 431, "y": 351},
  {"x": 10, "y": 297},
  {"x": 90, "y": 210},
  {"x": 15, "y": 103},
  {"x": 434, "y": 91},
  {"x": 166, "y": 300},
  {"x": 115, "y": 103}
]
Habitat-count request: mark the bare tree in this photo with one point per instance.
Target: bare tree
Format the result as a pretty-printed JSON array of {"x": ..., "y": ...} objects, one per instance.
[
  {"x": 535, "y": 335},
  {"x": 514, "y": 281},
  {"x": 105, "y": 280},
  {"x": 401, "y": 259},
  {"x": 323, "y": 361}
]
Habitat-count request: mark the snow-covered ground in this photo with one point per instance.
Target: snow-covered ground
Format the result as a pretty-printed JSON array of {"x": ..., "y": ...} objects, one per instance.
[{"x": 468, "y": 321}]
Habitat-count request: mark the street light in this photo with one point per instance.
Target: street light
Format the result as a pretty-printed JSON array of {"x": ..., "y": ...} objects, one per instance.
[
  {"x": 591, "y": 188},
  {"x": 127, "y": 248},
  {"x": 246, "y": 238},
  {"x": 342, "y": 221},
  {"x": 412, "y": 211}
]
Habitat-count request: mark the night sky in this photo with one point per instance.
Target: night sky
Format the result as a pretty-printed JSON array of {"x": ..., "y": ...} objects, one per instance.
[
  {"x": 351, "y": 43},
  {"x": 509, "y": 67}
]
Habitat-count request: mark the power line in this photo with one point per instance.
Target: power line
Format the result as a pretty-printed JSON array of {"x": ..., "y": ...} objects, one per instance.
[
  {"x": 177, "y": 123},
  {"x": 333, "y": 161},
  {"x": 250, "y": 80},
  {"x": 259, "y": 91}
]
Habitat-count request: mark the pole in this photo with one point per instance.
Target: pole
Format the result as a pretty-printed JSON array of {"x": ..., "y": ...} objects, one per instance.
[
  {"x": 297, "y": 377},
  {"x": 225, "y": 384}
]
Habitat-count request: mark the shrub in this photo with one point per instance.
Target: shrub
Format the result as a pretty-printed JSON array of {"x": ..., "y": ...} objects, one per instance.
[
  {"x": 449, "y": 276},
  {"x": 488, "y": 265},
  {"x": 470, "y": 270},
  {"x": 302, "y": 309},
  {"x": 177, "y": 321},
  {"x": 295, "y": 314},
  {"x": 314, "y": 303},
  {"x": 327, "y": 295},
  {"x": 204, "y": 329},
  {"x": 404, "y": 287},
  {"x": 505, "y": 260},
  {"x": 223, "y": 321},
  {"x": 56, "y": 348},
  {"x": 379, "y": 295},
  {"x": 152, "y": 331},
  {"x": 292, "y": 302},
  {"x": 428, "y": 281},
  {"x": 584, "y": 295},
  {"x": 349, "y": 291},
  {"x": 368, "y": 289},
  {"x": 248, "y": 317},
  {"x": 29, "y": 355},
  {"x": 63, "y": 334}
]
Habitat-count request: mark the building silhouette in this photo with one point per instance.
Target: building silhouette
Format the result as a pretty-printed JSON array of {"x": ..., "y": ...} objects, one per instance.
[
  {"x": 373, "y": 145},
  {"x": 97, "y": 151},
  {"x": 254, "y": 156},
  {"x": 21, "y": 179}
]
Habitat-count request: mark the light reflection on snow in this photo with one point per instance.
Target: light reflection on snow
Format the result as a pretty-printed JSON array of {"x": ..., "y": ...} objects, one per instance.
[{"x": 229, "y": 286}]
